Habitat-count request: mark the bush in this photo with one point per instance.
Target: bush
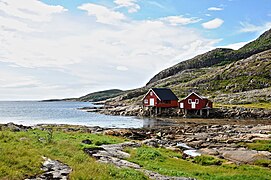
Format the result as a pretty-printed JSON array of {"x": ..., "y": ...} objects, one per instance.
[{"x": 207, "y": 160}]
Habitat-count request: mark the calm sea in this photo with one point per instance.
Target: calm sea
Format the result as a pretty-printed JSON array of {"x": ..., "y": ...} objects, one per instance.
[{"x": 33, "y": 112}]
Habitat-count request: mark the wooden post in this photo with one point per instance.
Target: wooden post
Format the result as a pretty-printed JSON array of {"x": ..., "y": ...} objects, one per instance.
[
  {"x": 200, "y": 112},
  {"x": 208, "y": 112}
]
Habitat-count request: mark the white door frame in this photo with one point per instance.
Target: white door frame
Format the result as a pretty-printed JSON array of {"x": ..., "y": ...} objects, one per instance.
[{"x": 151, "y": 101}]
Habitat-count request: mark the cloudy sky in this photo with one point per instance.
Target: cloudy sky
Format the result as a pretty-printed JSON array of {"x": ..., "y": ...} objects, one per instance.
[{"x": 68, "y": 48}]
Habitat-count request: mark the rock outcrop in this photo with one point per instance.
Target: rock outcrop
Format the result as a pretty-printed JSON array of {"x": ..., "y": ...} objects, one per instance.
[
  {"x": 53, "y": 170},
  {"x": 114, "y": 154}
]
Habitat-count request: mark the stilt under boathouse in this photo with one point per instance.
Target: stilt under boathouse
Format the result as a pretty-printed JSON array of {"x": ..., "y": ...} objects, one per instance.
[
  {"x": 196, "y": 105},
  {"x": 159, "y": 99}
]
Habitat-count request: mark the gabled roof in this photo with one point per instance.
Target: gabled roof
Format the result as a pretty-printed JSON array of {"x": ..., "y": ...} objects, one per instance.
[
  {"x": 195, "y": 94},
  {"x": 164, "y": 94}
]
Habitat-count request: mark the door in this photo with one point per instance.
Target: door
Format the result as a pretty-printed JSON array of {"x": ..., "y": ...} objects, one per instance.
[
  {"x": 193, "y": 105},
  {"x": 151, "y": 101}
]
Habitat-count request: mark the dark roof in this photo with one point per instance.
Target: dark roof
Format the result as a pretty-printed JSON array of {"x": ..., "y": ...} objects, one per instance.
[{"x": 165, "y": 94}]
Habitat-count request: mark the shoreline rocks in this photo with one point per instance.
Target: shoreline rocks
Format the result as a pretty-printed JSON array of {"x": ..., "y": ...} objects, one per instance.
[{"x": 138, "y": 110}]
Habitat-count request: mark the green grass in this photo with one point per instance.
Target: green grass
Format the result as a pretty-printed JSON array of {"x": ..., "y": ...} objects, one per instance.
[
  {"x": 263, "y": 105},
  {"x": 260, "y": 145},
  {"x": 170, "y": 163},
  {"x": 207, "y": 160},
  {"x": 21, "y": 155}
]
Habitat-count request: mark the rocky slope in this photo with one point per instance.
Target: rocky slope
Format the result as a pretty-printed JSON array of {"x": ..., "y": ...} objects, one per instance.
[
  {"x": 241, "y": 82},
  {"x": 218, "y": 57}
]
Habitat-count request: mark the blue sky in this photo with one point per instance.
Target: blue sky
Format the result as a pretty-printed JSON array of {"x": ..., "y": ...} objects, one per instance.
[{"x": 67, "y": 48}]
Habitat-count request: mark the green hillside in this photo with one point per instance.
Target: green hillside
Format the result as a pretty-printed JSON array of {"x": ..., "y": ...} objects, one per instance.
[
  {"x": 217, "y": 57},
  {"x": 100, "y": 95},
  {"x": 226, "y": 76}
]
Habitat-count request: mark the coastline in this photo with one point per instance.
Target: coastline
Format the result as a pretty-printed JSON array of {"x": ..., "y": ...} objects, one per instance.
[{"x": 232, "y": 144}]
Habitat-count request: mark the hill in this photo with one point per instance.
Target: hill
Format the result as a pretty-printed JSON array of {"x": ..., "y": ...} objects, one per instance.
[
  {"x": 226, "y": 76},
  {"x": 100, "y": 95},
  {"x": 242, "y": 82},
  {"x": 218, "y": 57}
]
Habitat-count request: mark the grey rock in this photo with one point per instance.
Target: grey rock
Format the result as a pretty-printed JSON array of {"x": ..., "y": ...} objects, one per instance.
[{"x": 54, "y": 170}]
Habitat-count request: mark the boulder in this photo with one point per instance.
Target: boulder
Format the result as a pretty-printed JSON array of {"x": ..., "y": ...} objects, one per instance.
[
  {"x": 212, "y": 152},
  {"x": 245, "y": 156}
]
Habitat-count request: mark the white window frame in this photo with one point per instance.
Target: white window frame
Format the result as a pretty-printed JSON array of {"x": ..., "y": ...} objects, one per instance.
[{"x": 146, "y": 101}]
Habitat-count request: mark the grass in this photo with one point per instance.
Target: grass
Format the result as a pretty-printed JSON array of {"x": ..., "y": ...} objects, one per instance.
[
  {"x": 21, "y": 155},
  {"x": 263, "y": 105},
  {"x": 207, "y": 160},
  {"x": 170, "y": 163},
  {"x": 260, "y": 145}
]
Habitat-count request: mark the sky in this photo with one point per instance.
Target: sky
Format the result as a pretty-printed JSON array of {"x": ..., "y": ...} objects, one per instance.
[{"x": 67, "y": 48}]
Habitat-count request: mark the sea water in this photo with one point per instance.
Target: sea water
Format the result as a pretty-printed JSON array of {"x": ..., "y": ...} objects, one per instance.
[{"x": 61, "y": 112}]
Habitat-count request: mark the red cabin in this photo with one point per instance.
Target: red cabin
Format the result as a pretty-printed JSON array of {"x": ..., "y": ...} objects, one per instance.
[
  {"x": 195, "y": 102},
  {"x": 160, "y": 97}
]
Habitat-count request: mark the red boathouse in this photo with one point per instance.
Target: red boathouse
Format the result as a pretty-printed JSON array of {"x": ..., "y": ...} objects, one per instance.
[
  {"x": 160, "y": 97},
  {"x": 194, "y": 102}
]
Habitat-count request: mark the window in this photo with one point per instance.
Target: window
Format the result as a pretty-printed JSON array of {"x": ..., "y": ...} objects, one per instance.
[
  {"x": 151, "y": 93},
  {"x": 146, "y": 101},
  {"x": 166, "y": 101},
  {"x": 197, "y": 101},
  {"x": 189, "y": 101}
]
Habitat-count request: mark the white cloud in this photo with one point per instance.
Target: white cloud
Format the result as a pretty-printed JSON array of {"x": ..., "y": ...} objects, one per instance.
[
  {"x": 213, "y": 24},
  {"x": 103, "y": 14},
  {"x": 180, "y": 20},
  {"x": 87, "y": 55},
  {"x": 247, "y": 27},
  {"x": 30, "y": 9},
  {"x": 215, "y": 9},
  {"x": 9, "y": 24},
  {"x": 131, "y": 5},
  {"x": 122, "y": 68}
]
